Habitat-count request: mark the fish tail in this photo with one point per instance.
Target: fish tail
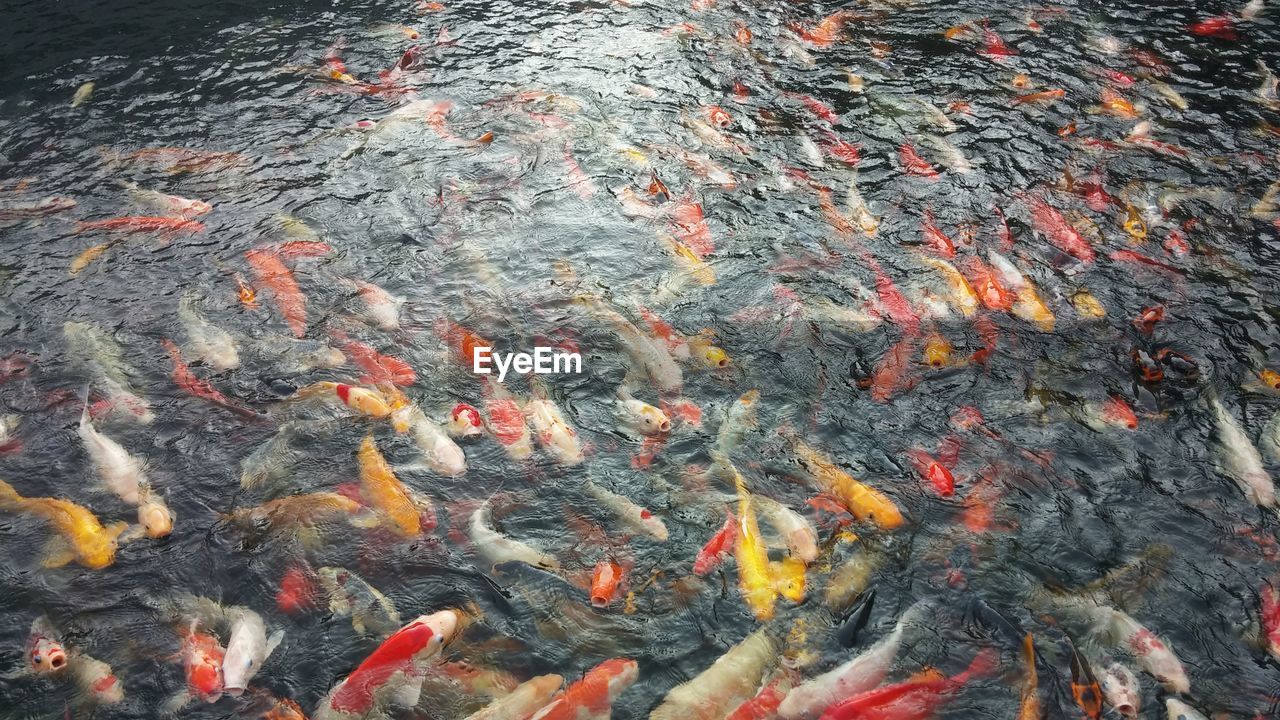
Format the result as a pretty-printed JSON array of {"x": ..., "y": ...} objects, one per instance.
[
  {"x": 9, "y": 497},
  {"x": 84, "y": 406}
]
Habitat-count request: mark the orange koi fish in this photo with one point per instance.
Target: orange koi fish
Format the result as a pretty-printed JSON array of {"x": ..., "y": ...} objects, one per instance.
[{"x": 273, "y": 273}]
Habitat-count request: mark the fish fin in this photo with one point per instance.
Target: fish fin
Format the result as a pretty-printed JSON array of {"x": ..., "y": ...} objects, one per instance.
[
  {"x": 273, "y": 642},
  {"x": 310, "y": 538},
  {"x": 357, "y": 624},
  {"x": 134, "y": 532},
  {"x": 116, "y": 529},
  {"x": 57, "y": 553},
  {"x": 176, "y": 703},
  {"x": 84, "y": 406},
  {"x": 365, "y": 520}
]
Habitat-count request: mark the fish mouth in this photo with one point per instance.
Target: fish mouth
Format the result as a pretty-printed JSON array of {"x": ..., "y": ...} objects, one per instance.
[
  {"x": 233, "y": 691},
  {"x": 664, "y": 426}
]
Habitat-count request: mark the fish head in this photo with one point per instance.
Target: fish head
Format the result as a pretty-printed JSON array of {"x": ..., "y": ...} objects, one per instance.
[
  {"x": 155, "y": 519},
  {"x": 98, "y": 551},
  {"x": 47, "y": 656},
  {"x": 443, "y": 625},
  {"x": 465, "y": 421},
  {"x": 621, "y": 674}
]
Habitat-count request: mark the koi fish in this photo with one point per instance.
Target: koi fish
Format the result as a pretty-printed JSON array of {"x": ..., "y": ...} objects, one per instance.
[
  {"x": 46, "y": 655},
  {"x": 914, "y": 165},
  {"x": 929, "y": 469},
  {"x": 594, "y": 694},
  {"x": 1121, "y": 689},
  {"x": 719, "y": 547},
  {"x": 207, "y": 342},
  {"x": 47, "y": 206},
  {"x": 934, "y": 238},
  {"x": 369, "y": 403},
  {"x": 171, "y": 205},
  {"x": 1084, "y": 686},
  {"x": 552, "y": 431},
  {"x": 378, "y": 368},
  {"x": 957, "y": 291},
  {"x": 1238, "y": 458},
  {"x": 507, "y": 420},
  {"x": 1222, "y": 27},
  {"x": 141, "y": 224},
  {"x": 863, "y": 501},
  {"x": 123, "y": 475},
  {"x": 273, "y": 273},
  {"x": 993, "y": 46},
  {"x": 754, "y": 579},
  {"x": 605, "y": 580},
  {"x": 496, "y": 548},
  {"x": 1028, "y": 304},
  {"x": 199, "y": 387},
  {"x": 383, "y": 491},
  {"x": 730, "y": 681},
  {"x": 1050, "y": 223},
  {"x": 827, "y": 31},
  {"x": 639, "y": 416},
  {"x": 302, "y": 511},
  {"x": 465, "y": 422},
  {"x": 522, "y": 702},
  {"x": 348, "y": 595},
  {"x": 1029, "y": 706},
  {"x": 913, "y": 699},
  {"x": 202, "y": 656},
  {"x": 857, "y": 675},
  {"x": 297, "y": 590},
  {"x": 80, "y": 536},
  {"x": 636, "y": 518},
  {"x": 1269, "y": 610},
  {"x": 379, "y": 306},
  {"x": 98, "y": 353},
  {"x": 393, "y": 674},
  {"x": 1041, "y": 97},
  {"x": 440, "y": 453}
]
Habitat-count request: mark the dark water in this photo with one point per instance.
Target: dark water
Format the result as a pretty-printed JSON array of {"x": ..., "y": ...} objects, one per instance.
[{"x": 472, "y": 233}]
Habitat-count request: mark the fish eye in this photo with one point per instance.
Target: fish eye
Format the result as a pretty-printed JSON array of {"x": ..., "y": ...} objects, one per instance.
[{"x": 37, "y": 659}]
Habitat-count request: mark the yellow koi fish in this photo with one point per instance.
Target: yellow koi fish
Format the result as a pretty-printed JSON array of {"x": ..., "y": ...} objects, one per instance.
[
  {"x": 80, "y": 536},
  {"x": 754, "y": 578},
  {"x": 958, "y": 292},
  {"x": 384, "y": 492},
  {"x": 863, "y": 501}
]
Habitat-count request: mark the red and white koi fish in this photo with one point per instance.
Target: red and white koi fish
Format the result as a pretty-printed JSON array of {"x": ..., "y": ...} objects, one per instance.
[
  {"x": 913, "y": 699},
  {"x": 465, "y": 422},
  {"x": 202, "y": 655},
  {"x": 172, "y": 205},
  {"x": 864, "y": 672},
  {"x": 592, "y": 697},
  {"x": 392, "y": 675},
  {"x": 506, "y": 420},
  {"x": 635, "y": 517},
  {"x": 46, "y": 655},
  {"x": 522, "y": 702},
  {"x": 141, "y": 224}
]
